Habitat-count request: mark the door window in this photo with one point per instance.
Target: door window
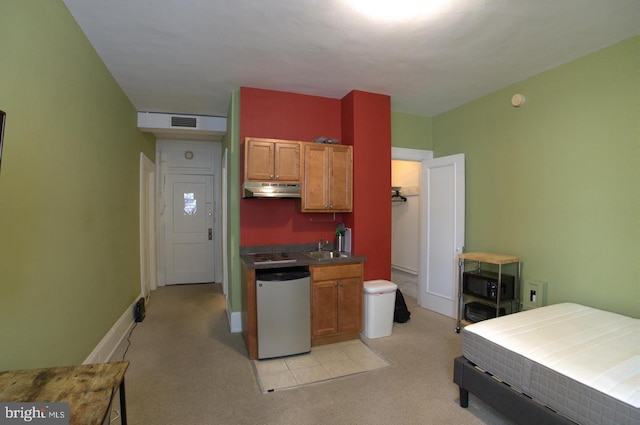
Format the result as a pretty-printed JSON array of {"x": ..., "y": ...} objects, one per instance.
[{"x": 190, "y": 204}]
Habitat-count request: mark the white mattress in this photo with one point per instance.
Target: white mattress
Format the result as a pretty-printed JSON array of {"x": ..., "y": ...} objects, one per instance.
[{"x": 580, "y": 361}]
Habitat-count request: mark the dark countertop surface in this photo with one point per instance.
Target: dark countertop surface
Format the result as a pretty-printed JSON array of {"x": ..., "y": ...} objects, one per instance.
[{"x": 295, "y": 251}]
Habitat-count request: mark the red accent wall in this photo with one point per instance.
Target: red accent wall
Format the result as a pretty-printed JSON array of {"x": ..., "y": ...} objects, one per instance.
[
  {"x": 360, "y": 119},
  {"x": 366, "y": 121},
  {"x": 289, "y": 116}
]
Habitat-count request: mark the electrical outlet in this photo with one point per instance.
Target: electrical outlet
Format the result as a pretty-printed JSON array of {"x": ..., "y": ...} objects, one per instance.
[{"x": 534, "y": 294}]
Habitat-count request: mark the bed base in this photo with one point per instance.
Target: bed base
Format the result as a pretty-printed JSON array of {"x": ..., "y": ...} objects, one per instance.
[{"x": 513, "y": 404}]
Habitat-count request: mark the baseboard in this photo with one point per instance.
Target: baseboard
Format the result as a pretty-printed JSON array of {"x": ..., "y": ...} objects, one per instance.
[
  {"x": 234, "y": 318},
  {"x": 110, "y": 342},
  {"x": 409, "y": 289},
  {"x": 235, "y": 322},
  {"x": 407, "y": 282}
]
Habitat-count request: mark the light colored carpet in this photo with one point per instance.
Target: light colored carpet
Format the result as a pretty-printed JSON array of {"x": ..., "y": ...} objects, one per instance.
[
  {"x": 187, "y": 368},
  {"x": 322, "y": 364}
]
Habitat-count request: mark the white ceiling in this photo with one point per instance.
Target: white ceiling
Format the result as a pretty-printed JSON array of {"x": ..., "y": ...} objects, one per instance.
[{"x": 187, "y": 56}]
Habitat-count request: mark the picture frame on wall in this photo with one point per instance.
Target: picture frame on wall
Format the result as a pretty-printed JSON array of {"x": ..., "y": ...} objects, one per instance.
[{"x": 3, "y": 118}]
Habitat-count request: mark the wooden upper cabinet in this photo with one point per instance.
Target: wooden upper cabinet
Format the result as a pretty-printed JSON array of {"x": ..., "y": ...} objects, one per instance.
[
  {"x": 272, "y": 160},
  {"x": 327, "y": 185},
  {"x": 315, "y": 187},
  {"x": 341, "y": 178}
]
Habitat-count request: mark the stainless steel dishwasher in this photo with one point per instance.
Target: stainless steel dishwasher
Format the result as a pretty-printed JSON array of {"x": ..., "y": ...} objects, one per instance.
[{"x": 284, "y": 312}]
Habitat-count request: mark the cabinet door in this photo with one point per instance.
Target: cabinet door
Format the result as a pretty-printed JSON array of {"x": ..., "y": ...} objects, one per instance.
[
  {"x": 287, "y": 162},
  {"x": 350, "y": 304},
  {"x": 324, "y": 308},
  {"x": 259, "y": 160},
  {"x": 341, "y": 176},
  {"x": 315, "y": 195}
]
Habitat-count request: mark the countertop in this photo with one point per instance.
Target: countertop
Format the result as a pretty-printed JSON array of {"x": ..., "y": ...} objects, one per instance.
[{"x": 295, "y": 251}]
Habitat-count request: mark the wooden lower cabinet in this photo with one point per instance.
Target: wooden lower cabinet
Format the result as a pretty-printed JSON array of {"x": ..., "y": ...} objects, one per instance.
[{"x": 336, "y": 303}]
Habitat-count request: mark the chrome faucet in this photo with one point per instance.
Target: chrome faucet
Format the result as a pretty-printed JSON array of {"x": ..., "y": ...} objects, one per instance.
[{"x": 322, "y": 243}]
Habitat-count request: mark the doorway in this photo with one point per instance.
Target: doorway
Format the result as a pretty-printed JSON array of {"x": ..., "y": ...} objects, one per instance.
[
  {"x": 406, "y": 168},
  {"x": 439, "y": 223},
  {"x": 189, "y": 233},
  {"x": 405, "y": 219}
]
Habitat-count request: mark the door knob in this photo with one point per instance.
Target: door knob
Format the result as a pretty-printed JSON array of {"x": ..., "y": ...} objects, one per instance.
[{"x": 210, "y": 233}]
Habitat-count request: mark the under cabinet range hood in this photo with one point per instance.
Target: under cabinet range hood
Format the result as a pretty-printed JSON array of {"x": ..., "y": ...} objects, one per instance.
[{"x": 271, "y": 190}]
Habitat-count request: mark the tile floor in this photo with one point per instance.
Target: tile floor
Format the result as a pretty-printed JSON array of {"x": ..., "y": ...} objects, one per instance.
[{"x": 323, "y": 363}]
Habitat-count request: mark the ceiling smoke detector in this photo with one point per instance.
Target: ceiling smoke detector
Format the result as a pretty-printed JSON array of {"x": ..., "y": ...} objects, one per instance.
[{"x": 517, "y": 100}]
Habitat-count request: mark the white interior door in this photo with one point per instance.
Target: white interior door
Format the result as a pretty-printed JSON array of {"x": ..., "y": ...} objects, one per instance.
[
  {"x": 189, "y": 246},
  {"x": 443, "y": 234}
]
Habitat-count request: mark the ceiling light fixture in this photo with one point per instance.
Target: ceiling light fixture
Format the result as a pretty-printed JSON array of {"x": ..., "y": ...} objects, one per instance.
[{"x": 397, "y": 10}]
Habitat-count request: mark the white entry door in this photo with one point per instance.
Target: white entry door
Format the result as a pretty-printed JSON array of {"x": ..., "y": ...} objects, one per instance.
[
  {"x": 189, "y": 248},
  {"x": 443, "y": 236}
]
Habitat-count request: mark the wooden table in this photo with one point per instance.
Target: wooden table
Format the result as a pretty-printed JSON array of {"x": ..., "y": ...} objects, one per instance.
[{"x": 88, "y": 389}]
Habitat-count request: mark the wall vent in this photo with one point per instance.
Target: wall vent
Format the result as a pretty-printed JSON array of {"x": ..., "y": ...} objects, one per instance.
[
  {"x": 188, "y": 122},
  {"x": 188, "y": 127}
]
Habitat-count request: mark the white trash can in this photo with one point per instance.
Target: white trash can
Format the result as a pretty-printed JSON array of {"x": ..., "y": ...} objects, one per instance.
[{"x": 379, "y": 306}]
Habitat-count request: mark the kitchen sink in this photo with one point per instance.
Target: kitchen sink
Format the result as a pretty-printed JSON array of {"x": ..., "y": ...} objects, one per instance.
[{"x": 325, "y": 255}]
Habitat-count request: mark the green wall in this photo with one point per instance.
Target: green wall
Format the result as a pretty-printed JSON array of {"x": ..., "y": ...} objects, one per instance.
[
  {"x": 231, "y": 142},
  {"x": 69, "y": 183},
  {"x": 411, "y": 131},
  {"x": 557, "y": 180}
]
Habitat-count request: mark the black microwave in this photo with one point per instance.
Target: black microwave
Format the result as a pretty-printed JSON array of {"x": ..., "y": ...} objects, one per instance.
[{"x": 484, "y": 284}]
